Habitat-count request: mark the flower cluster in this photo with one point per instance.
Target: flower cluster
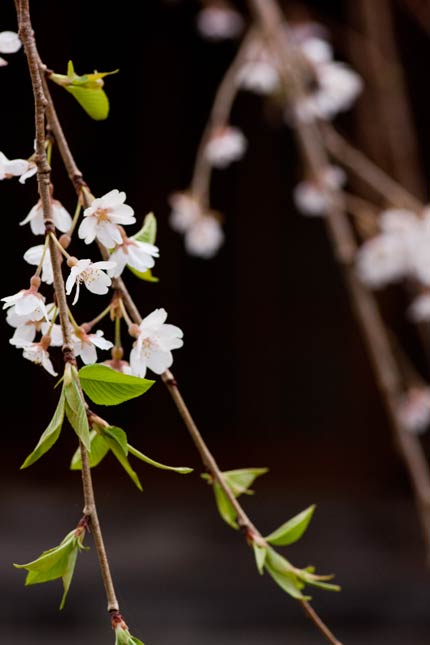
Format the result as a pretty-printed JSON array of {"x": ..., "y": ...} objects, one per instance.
[
  {"x": 399, "y": 251},
  {"x": 35, "y": 324}
]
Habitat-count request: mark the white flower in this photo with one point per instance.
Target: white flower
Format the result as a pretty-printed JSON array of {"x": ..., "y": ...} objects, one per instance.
[
  {"x": 219, "y": 22},
  {"x": 62, "y": 219},
  {"x": 414, "y": 410},
  {"x": 259, "y": 76},
  {"x": 225, "y": 146},
  {"x": 258, "y": 73},
  {"x": 12, "y": 167},
  {"x": 419, "y": 310},
  {"x": 419, "y": 249},
  {"x": 102, "y": 218},
  {"x": 337, "y": 88},
  {"x": 30, "y": 172},
  {"x": 311, "y": 198},
  {"x": 381, "y": 260},
  {"x": 33, "y": 256},
  {"x": 399, "y": 220},
  {"x": 38, "y": 353},
  {"x": 155, "y": 340},
  {"x": 317, "y": 50},
  {"x": 131, "y": 252},
  {"x": 205, "y": 237},
  {"x": 185, "y": 211},
  {"x": 84, "y": 345},
  {"x": 91, "y": 274},
  {"x": 27, "y": 303},
  {"x": 9, "y": 44},
  {"x": 26, "y": 330},
  {"x": 334, "y": 85}
]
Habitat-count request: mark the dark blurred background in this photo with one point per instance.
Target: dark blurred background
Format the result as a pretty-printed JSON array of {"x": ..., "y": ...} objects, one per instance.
[{"x": 273, "y": 366}]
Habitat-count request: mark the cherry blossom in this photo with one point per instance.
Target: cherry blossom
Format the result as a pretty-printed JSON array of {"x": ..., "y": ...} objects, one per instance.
[
  {"x": 205, "y": 237},
  {"x": 258, "y": 73},
  {"x": 311, "y": 197},
  {"x": 28, "y": 303},
  {"x": 12, "y": 167},
  {"x": 9, "y": 44},
  {"x": 225, "y": 145},
  {"x": 34, "y": 255},
  {"x": 333, "y": 85},
  {"x": 153, "y": 345},
  {"x": 186, "y": 210},
  {"x": 102, "y": 218},
  {"x": 419, "y": 309},
  {"x": 414, "y": 410},
  {"x": 91, "y": 274},
  {"x": 62, "y": 219},
  {"x": 219, "y": 22},
  {"x": 136, "y": 254},
  {"x": 26, "y": 329},
  {"x": 85, "y": 344},
  {"x": 38, "y": 353},
  {"x": 400, "y": 250}
]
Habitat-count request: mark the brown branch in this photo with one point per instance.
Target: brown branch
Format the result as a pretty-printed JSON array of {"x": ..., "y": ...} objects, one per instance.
[
  {"x": 383, "y": 185},
  {"x": 272, "y": 24},
  {"x": 218, "y": 118},
  {"x": 387, "y": 100},
  {"x": 43, "y": 174}
]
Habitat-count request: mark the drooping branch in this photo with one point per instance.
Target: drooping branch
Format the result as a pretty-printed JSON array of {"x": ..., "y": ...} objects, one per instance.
[
  {"x": 218, "y": 118},
  {"x": 273, "y": 26},
  {"x": 44, "y": 184}
]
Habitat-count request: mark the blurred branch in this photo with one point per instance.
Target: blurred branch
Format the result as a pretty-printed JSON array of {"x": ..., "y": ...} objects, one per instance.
[
  {"x": 218, "y": 118},
  {"x": 393, "y": 192},
  {"x": 274, "y": 29},
  {"x": 420, "y": 11},
  {"x": 386, "y": 100}
]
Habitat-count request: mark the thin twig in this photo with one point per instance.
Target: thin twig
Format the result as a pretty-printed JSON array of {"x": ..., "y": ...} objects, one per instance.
[
  {"x": 272, "y": 24},
  {"x": 383, "y": 185},
  {"x": 27, "y": 37},
  {"x": 218, "y": 118}
]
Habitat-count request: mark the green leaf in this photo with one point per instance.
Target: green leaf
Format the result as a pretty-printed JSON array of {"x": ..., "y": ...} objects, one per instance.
[
  {"x": 99, "y": 449},
  {"x": 293, "y": 529},
  {"x": 87, "y": 90},
  {"x": 144, "y": 275},
  {"x": 260, "y": 553},
  {"x": 148, "y": 232},
  {"x": 308, "y": 576},
  {"x": 68, "y": 575},
  {"x": 182, "y": 470},
  {"x": 123, "y": 637},
  {"x": 224, "y": 506},
  {"x": 75, "y": 409},
  {"x": 106, "y": 386},
  {"x": 58, "y": 562},
  {"x": 239, "y": 480},
  {"x": 283, "y": 574},
  {"x": 49, "y": 436},
  {"x": 117, "y": 442}
]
